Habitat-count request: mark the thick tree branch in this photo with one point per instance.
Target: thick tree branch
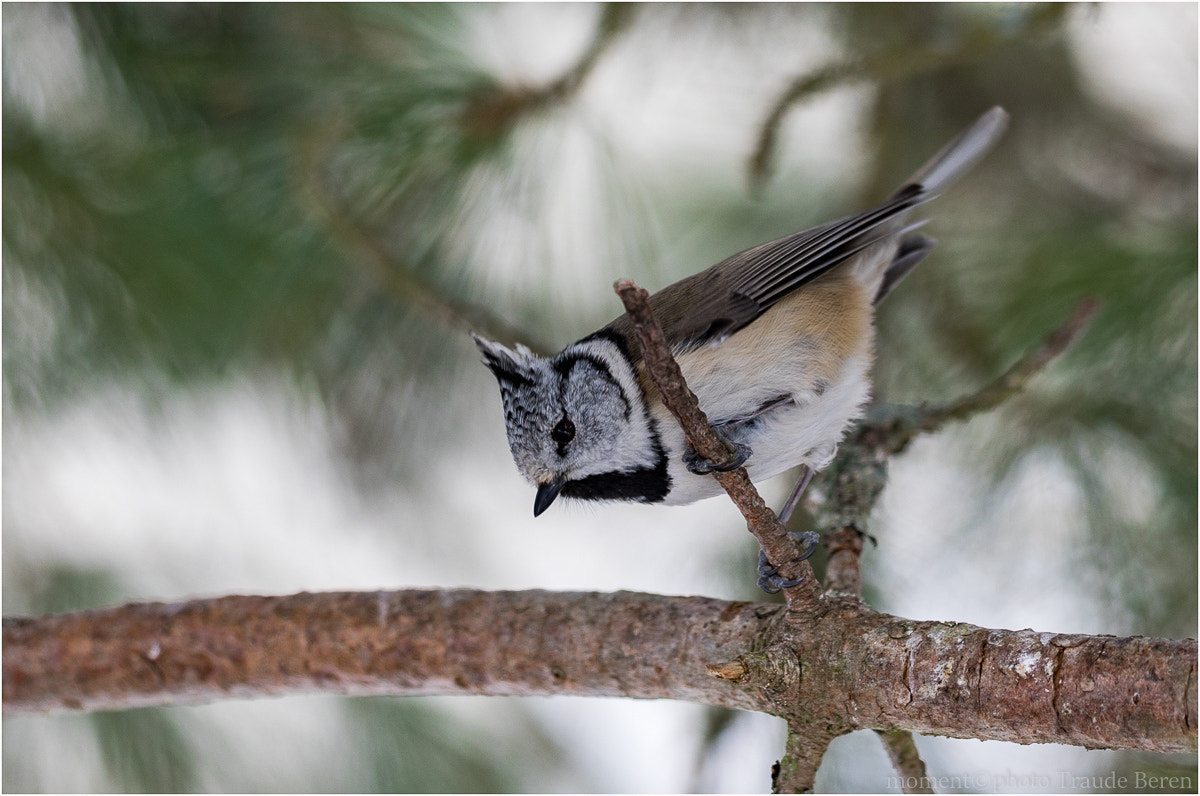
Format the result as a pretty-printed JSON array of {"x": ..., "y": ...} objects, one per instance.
[
  {"x": 391, "y": 642},
  {"x": 865, "y": 670},
  {"x": 664, "y": 371},
  {"x": 930, "y": 677}
]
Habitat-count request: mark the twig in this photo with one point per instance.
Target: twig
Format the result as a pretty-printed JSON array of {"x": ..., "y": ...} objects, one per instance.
[
  {"x": 796, "y": 771},
  {"x": 902, "y": 751},
  {"x": 615, "y": 18},
  {"x": 891, "y": 428},
  {"x": 493, "y": 112},
  {"x": 1015, "y": 378},
  {"x": 780, "y": 550},
  {"x": 842, "y": 572},
  {"x": 380, "y": 265},
  {"x": 892, "y": 65}
]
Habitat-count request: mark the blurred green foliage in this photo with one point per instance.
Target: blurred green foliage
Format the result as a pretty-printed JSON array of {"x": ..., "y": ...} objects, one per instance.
[
  {"x": 195, "y": 189},
  {"x": 144, "y": 751}
]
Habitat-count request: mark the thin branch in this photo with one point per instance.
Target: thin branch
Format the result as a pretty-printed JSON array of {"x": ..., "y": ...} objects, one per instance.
[
  {"x": 397, "y": 279},
  {"x": 891, "y": 428},
  {"x": 615, "y": 19},
  {"x": 841, "y": 502},
  {"x": 842, "y": 572},
  {"x": 1017, "y": 377},
  {"x": 796, "y": 771},
  {"x": 494, "y": 112},
  {"x": 893, "y": 65},
  {"x": 780, "y": 550},
  {"x": 902, "y": 751}
]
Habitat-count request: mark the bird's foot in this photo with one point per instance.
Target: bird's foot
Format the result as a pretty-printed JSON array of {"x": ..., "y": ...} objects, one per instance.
[
  {"x": 698, "y": 465},
  {"x": 769, "y": 579}
]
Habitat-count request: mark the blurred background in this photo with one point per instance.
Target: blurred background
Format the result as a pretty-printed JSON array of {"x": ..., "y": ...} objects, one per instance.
[{"x": 243, "y": 246}]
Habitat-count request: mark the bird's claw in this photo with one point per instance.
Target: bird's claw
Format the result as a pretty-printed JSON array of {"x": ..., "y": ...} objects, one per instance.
[
  {"x": 769, "y": 579},
  {"x": 698, "y": 465}
]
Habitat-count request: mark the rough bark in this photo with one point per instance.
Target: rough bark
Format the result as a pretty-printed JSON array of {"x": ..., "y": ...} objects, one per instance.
[
  {"x": 846, "y": 669},
  {"x": 883, "y": 672},
  {"x": 391, "y": 642}
]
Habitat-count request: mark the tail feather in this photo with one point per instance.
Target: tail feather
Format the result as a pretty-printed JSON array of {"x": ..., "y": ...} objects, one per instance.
[
  {"x": 960, "y": 154},
  {"x": 913, "y": 249},
  {"x": 954, "y": 159}
]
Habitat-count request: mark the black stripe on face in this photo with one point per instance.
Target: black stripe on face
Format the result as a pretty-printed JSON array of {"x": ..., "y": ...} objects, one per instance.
[
  {"x": 644, "y": 485},
  {"x": 564, "y": 366},
  {"x": 649, "y": 484},
  {"x": 613, "y": 337}
]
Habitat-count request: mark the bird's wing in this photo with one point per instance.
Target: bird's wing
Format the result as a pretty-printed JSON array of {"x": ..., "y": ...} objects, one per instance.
[
  {"x": 713, "y": 304},
  {"x": 710, "y": 306}
]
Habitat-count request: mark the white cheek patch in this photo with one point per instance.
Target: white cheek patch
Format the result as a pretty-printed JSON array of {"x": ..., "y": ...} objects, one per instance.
[{"x": 622, "y": 438}]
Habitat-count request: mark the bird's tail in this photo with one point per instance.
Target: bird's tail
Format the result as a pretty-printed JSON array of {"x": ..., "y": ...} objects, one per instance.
[
  {"x": 953, "y": 160},
  {"x": 960, "y": 154}
]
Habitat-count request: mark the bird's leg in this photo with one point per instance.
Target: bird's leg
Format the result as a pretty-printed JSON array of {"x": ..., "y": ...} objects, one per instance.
[
  {"x": 793, "y": 500},
  {"x": 768, "y": 575}
]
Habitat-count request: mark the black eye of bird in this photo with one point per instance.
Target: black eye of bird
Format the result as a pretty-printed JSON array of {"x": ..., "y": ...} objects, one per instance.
[{"x": 564, "y": 432}]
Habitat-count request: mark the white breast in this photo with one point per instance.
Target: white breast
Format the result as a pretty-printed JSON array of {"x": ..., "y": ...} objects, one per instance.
[
  {"x": 815, "y": 347},
  {"x": 804, "y": 432}
]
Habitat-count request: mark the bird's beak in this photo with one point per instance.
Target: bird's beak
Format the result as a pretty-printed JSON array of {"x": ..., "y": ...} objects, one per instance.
[{"x": 547, "y": 493}]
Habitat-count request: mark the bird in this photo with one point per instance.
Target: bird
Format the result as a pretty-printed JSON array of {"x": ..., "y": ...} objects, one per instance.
[{"x": 776, "y": 341}]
